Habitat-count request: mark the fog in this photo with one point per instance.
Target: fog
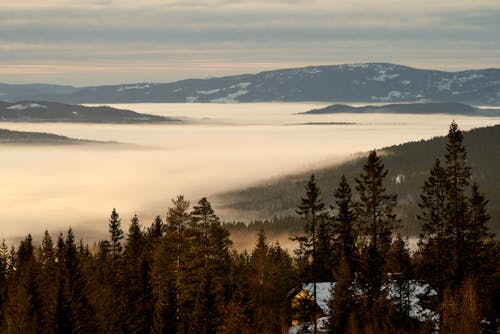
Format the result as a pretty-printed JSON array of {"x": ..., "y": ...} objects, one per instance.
[{"x": 221, "y": 147}]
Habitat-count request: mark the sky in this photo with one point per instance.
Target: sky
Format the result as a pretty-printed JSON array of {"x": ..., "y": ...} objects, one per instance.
[{"x": 96, "y": 42}]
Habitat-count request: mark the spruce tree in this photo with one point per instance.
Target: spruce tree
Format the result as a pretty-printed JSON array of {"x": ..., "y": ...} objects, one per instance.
[
  {"x": 434, "y": 242},
  {"x": 375, "y": 210},
  {"x": 344, "y": 233},
  {"x": 458, "y": 175},
  {"x": 116, "y": 235},
  {"x": 312, "y": 211}
]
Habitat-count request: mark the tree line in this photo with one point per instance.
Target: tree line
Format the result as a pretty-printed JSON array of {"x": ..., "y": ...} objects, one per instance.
[{"x": 180, "y": 275}]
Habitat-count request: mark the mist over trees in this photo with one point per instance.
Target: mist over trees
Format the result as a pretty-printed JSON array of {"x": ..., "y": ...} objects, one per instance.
[{"x": 179, "y": 273}]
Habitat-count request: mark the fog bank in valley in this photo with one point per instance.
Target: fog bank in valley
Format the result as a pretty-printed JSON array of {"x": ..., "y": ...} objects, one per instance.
[{"x": 225, "y": 146}]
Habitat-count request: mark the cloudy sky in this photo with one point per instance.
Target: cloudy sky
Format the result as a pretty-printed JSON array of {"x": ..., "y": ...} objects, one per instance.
[{"x": 92, "y": 42}]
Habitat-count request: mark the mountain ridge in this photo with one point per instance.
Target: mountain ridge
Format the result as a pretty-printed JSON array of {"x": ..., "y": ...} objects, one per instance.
[{"x": 366, "y": 82}]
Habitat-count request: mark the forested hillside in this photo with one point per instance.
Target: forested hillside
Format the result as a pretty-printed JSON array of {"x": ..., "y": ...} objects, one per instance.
[
  {"x": 180, "y": 275},
  {"x": 408, "y": 166}
]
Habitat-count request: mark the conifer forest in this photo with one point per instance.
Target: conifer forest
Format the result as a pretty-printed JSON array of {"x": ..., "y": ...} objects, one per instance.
[{"x": 180, "y": 273}]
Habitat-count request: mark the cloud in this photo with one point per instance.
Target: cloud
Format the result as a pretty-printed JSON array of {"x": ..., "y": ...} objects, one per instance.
[{"x": 99, "y": 32}]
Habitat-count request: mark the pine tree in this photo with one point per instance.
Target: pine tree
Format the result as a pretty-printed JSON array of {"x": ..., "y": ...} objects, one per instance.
[
  {"x": 213, "y": 242},
  {"x": 4, "y": 253},
  {"x": 74, "y": 289},
  {"x": 312, "y": 211},
  {"x": 377, "y": 220},
  {"x": 400, "y": 267},
  {"x": 477, "y": 233},
  {"x": 133, "y": 279},
  {"x": 344, "y": 233},
  {"x": 458, "y": 175},
  {"x": 116, "y": 235},
  {"x": 434, "y": 243},
  {"x": 155, "y": 231},
  {"x": 342, "y": 302}
]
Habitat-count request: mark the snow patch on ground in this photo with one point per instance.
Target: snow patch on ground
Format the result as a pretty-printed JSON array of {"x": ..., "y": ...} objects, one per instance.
[
  {"x": 241, "y": 85},
  {"x": 413, "y": 290},
  {"x": 230, "y": 98},
  {"x": 400, "y": 178},
  {"x": 311, "y": 70},
  {"x": 123, "y": 88},
  {"x": 406, "y": 82},
  {"x": 191, "y": 98},
  {"x": 352, "y": 67},
  {"x": 383, "y": 76},
  {"x": 209, "y": 91},
  {"x": 444, "y": 84},
  {"x": 324, "y": 291},
  {"x": 392, "y": 95},
  {"x": 473, "y": 76},
  {"x": 26, "y": 106},
  {"x": 75, "y": 113},
  {"x": 177, "y": 90}
]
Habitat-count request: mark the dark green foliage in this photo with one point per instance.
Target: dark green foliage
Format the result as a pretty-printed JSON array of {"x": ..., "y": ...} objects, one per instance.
[
  {"x": 344, "y": 233},
  {"x": 313, "y": 213},
  {"x": 313, "y": 256},
  {"x": 377, "y": 220},
  {"x": 401, "y": 274},
  {"x": 434, "y": 243},
  {"x": 116, "y": 235},
  {"x": 343, "y": 301}
]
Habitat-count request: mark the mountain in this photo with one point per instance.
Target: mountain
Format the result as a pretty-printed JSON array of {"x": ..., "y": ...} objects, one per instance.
[
  {"x": 408, "y": 164},
  {"x": 30, "y": 111},
  {"x": 21, "y": 137},
  {"x": 18, "y": 92},
  {"x": 370, "y": 82},
  {"x": 409, "y": 108}
]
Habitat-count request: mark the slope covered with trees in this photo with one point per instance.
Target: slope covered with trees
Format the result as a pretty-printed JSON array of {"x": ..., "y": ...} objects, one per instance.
[{"x": 408, "y": 165}]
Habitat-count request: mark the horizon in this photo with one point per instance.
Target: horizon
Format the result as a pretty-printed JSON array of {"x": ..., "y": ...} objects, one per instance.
[{"x": 246, "y": 73}]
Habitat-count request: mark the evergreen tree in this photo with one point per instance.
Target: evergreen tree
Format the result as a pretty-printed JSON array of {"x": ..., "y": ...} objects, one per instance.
[
  {"x": 434, "y": 243},
  {"x": 400, "y": 268},
  {"x": 344, "y": 233},
  {"x": 312, "y": 211},
  {"x": 74, "y": 291},
  {"x": 210, "y": 289},
  {"x": 342, "y": 302},
  {"x": 136, "y": 280},
  {"x": 377, "y": 220},
  {"x": 458, "y": 175},
  {"x": 4, "y": 253},
  {"x": 155, "y": 231},
  {"x": 477, "y": 233},
  {"x": 116, "y": 235}
]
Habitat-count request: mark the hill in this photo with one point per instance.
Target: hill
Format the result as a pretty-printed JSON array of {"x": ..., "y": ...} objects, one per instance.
[
  {"x": 409, "y": 108},
  {"x": 21, "y": 137},
  {"x": 408, "y": 166},
  {"x": 370, "y": 82},
  {"x": 30, "y": 111}
]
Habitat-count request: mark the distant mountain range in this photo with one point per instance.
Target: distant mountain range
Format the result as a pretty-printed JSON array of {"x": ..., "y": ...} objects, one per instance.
[
  {"x": 30, "y": 111},
  {"x": 21, "y": 137},
  {"x": 409, "y": 108},
  {"x": 370, "y": 82}
]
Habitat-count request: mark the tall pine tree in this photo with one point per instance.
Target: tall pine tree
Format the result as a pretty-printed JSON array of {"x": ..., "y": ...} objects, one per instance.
[{"x": 375, "y": 210}]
